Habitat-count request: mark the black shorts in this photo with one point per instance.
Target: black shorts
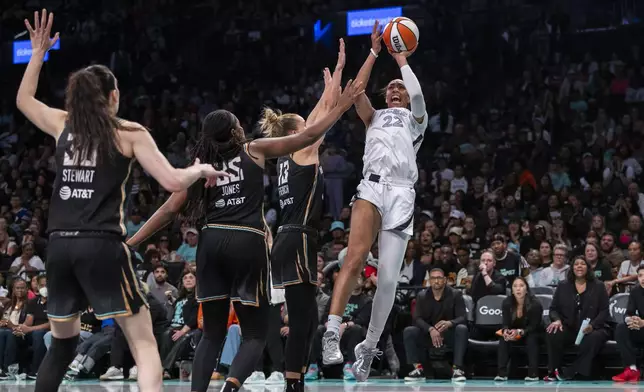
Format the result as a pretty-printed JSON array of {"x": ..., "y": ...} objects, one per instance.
[
  {"x": 294, "y": 256},
  {"x": 232, "y": 264},
  {"x": 91, "y": 269}
]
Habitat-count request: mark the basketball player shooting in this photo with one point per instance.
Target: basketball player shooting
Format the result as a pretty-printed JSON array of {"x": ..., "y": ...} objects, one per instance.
[{"x": 383, "y": 204}]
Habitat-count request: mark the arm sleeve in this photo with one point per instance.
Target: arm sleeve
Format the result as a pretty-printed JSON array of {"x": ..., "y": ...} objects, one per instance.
[{"x": 412, "y": 85}]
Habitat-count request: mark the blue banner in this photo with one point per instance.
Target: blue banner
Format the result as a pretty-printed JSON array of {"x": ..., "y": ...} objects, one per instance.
[
  {"x": 22, "y": 51},
  {"x": 361, "y": 22}
]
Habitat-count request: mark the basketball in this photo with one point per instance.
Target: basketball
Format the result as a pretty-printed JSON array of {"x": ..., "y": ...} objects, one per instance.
[{"x": 401, "y": 34}]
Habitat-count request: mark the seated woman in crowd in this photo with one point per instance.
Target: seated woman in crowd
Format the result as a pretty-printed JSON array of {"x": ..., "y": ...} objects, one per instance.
[
  {"x": 33, "y": 287},
  {"x": 183, "y": 327},
  {"x": 522, "y": 314},
  {"x": 581, "y": 297},
  {"x": 598, "y": 265},
  {"x": 558, "y": 270},
  {"x": 14, "y": 314}
]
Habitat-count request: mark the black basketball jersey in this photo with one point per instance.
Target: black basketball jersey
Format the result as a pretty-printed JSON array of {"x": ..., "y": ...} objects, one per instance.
[
  {"x": 239, "y": 199},
  {"x": 88, "y": 195},
  {"x": 300, "y": 190}
]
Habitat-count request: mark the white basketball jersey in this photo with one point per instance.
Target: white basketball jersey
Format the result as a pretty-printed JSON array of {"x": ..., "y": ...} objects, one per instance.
[{"x": 393, "y": 139}]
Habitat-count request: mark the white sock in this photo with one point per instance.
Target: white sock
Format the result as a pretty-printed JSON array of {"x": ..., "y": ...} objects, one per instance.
[
  {"x": 633, "y": 367},
  {"x": 373, "y": 336},
  {"x": 333, "y": 324}
]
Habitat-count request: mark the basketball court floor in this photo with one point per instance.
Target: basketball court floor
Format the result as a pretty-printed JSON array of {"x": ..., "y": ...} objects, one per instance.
[{"x": 371, "y": 386}]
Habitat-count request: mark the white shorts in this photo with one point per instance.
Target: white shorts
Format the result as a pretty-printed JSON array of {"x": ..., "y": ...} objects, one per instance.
[{"x": 395, "y": 203}]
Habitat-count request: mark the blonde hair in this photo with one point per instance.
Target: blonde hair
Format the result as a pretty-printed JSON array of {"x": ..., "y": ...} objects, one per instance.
[{"x": 276, "y": 124}]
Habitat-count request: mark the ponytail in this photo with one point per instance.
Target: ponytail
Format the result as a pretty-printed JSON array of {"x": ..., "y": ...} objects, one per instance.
[
  {"x": 276, "y": 124},
  {"x": 90, "y": 119}
]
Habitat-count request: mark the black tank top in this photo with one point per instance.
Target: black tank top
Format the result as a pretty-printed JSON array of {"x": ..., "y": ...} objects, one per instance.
[
  {"x": 300, "y": 190},
  {"x": 88, "y": 195},
  {"x": 237, "y": 200}
]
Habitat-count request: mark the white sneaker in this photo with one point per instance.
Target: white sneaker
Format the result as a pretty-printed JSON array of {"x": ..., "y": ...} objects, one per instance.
[
  {"x": 134, "y": 373},
  {"x": 112, "y": 374},
  {"x": 275, "y": 378},
  {"x": 331, "y": 353},
  {"x": 256, "y": 378}
]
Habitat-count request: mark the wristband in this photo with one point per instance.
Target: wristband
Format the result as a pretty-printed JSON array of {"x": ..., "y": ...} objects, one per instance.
[{"x": 373, "y": 52}]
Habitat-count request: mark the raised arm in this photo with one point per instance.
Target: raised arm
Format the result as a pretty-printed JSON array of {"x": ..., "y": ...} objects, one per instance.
[
  {"x": 280, "y": 146},
  {"x": 47, "y": 119},
  {"x": 412, "y": 85},
  {"x": 363, "y": 105},
  {"x": 173, "y": 180},
  {"x": 164, "y": 215},
  {"x": 332, "y": 88}
]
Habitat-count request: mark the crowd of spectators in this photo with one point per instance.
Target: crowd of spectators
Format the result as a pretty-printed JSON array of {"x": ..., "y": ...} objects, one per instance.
[{"x": 535, "y": 149}]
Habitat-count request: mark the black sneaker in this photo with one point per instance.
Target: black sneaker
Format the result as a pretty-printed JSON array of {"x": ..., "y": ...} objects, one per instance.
[
  {"x": 4, "y": 375},
  {"x": 417, "y": 374},
  {"x": 458, "y": 375}
]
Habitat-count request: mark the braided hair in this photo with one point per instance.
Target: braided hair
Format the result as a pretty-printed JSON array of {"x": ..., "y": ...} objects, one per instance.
[{"x": 221, "y": 138}]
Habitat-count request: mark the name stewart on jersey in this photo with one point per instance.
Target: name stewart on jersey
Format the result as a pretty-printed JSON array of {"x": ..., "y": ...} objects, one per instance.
[{"x": 88, "y": 194}]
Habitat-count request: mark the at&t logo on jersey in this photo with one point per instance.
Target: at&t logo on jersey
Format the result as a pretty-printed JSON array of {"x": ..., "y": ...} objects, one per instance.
[
  {"x": 234, "y": 201},
  {"x": 67, "y": 193},
  {"x": 286, "y": 202}
]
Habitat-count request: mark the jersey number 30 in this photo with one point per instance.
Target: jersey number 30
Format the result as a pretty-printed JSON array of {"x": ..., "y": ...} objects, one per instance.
[
  {"x": 233, "y": 168},
  {"x": 283, "y": 174}
]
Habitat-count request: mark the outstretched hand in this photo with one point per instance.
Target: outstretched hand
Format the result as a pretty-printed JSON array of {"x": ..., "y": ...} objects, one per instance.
[
  {"x": 209, "y": 173},
  {"x": 376, "y": 37},
  {"x": 40, "y": 33},
  {"x": 342, "y": 57},
  {"x": 351, "y": 92}
]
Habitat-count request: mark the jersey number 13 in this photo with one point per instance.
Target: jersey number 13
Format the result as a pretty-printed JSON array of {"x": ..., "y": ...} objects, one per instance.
[{"x": 283, "y": 174}]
